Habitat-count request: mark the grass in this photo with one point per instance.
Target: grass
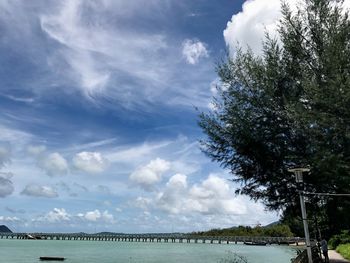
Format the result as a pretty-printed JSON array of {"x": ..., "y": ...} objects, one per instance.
[{"x": 344, "y": 250}]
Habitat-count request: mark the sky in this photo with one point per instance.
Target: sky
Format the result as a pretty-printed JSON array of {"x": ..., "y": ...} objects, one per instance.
[{"x": 99, "y": 110}]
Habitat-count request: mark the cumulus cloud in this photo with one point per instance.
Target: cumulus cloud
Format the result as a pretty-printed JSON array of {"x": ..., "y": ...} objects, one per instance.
[
  {"x": 5, "y": 153},
  {"x": 90, "y": 162},
  {"x": 96, "y": 215},
  {"x": 193, "y": 50},
  {"x": 56, "y": 215},
  {"x": 211, "y": 196},
  {"x": 248, "y": 27},
  {"x": 171, "y": 199},
  {"x": 92, "y": 215},
  {"x": 39, "y": 191},
  {"x": 147, "y": 176},
  {"x": 214, "y": 196},
  {"x": 54, "y": 164},
  {"x": 60, "y": 215},
  {"x": 6, "y": 186}
]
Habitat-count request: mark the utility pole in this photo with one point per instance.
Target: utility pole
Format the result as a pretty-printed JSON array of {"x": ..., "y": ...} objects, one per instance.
[{"x": 298, "y": 172}]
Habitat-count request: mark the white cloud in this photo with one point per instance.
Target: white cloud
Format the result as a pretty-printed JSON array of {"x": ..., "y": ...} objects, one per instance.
[
  {"x": 93, "y": 215},
  {"x": 212, "y": 196},
  {"x": 5, "y": 153},
  {"x": 36, "y": 149},
  {"x": 107, "y": 217},
  {"x": 193, "y": 50},
  {"x": 90, "y": 162},
  {"x": 142, "y": 202},
  {"x": 177, "y": 181},
  {"x": 96, "y": 215},
  {"x": 6, "y": 186},
  {"x": 147, "y": 176},
  {"x": 113, "y": 62},
  {"x": 136, "y": 152},
  {"x": 9, "y": 219},
  {"x": 249, "y": 26},
  {"x": 54, "y": 164},
  {"x": 346, "y": 5},
  {"x": 39, "y": 191},
  {"x": 56, "y": 215},
  {"x": 13, "y": 135},
  {"x": 93, "y": 50},
  {"x": 173, "y": 197}
]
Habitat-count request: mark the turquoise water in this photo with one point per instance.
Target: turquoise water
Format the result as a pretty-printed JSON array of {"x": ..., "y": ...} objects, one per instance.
[{"x": 29, "y": 251}]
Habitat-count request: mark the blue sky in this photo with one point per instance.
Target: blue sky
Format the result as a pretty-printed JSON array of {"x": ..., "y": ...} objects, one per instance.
[{"x": 98, "y": 121}]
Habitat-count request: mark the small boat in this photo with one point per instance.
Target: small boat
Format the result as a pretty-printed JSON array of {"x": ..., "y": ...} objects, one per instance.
[
  {"x": 52, "y": 258},
  {"x": 254, "y": 243}
]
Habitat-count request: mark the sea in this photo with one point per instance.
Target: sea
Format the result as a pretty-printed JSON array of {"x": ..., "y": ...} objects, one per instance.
[{"x": 29, "y": 251}]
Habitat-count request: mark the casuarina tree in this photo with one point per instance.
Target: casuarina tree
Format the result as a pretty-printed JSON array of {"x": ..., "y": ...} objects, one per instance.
[{"x": 288, "y": 107}]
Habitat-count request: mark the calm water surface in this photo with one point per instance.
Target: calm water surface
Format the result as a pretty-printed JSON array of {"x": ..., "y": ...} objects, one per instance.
[{"x": 29, "y": 251}]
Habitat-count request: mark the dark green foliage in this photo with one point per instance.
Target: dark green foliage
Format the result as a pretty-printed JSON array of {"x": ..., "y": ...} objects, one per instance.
[
  {"x": 342, "y": 238},
  {"x": 344, "y": 250},
  {"x": 278, "y": 230},
  {"x": 290, "y": 106}
]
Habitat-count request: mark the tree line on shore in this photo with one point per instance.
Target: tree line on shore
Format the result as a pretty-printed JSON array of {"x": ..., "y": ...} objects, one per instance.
[{"x": 275, "y": 230}]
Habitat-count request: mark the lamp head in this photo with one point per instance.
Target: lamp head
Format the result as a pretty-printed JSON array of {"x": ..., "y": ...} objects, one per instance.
[{"x": 299, "y": 173}]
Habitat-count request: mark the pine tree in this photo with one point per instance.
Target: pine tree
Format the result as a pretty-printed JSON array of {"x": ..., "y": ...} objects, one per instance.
[{"x": 290, "y": 106}]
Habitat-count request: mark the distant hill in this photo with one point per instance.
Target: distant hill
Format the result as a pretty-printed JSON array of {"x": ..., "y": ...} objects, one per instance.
[
  {"x": 4, "y": 229},
  {"x": 273, "y": 224}
]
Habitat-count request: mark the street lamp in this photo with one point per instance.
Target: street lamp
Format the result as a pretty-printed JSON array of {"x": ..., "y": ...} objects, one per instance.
[{"x": 298, "y": 172}]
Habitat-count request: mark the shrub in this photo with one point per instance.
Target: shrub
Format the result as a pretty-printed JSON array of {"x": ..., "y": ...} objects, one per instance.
[
  {"x": 342, "y": 238},
  {"x": 344, "y": 250}
]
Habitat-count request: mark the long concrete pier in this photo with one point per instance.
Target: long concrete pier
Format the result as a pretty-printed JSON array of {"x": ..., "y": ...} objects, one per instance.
[{"x": 167, "y": 238}]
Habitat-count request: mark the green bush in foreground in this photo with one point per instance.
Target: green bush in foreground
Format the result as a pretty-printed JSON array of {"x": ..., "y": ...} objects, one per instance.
[
  {"x": 344, "y": 250},
  {"x": 342, "y": 238}
]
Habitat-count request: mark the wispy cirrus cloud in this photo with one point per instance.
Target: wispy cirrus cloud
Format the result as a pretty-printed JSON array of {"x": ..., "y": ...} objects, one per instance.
[
  {"x": 5, "y": 153},
  {"x": 39, "y": 191},
  {"x": 6, "y": 186},
  {"x": 93, "y": 50}
]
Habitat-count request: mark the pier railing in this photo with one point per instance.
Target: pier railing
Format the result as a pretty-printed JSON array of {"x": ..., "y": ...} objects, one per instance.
[{"x": 172, "y": 237}]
